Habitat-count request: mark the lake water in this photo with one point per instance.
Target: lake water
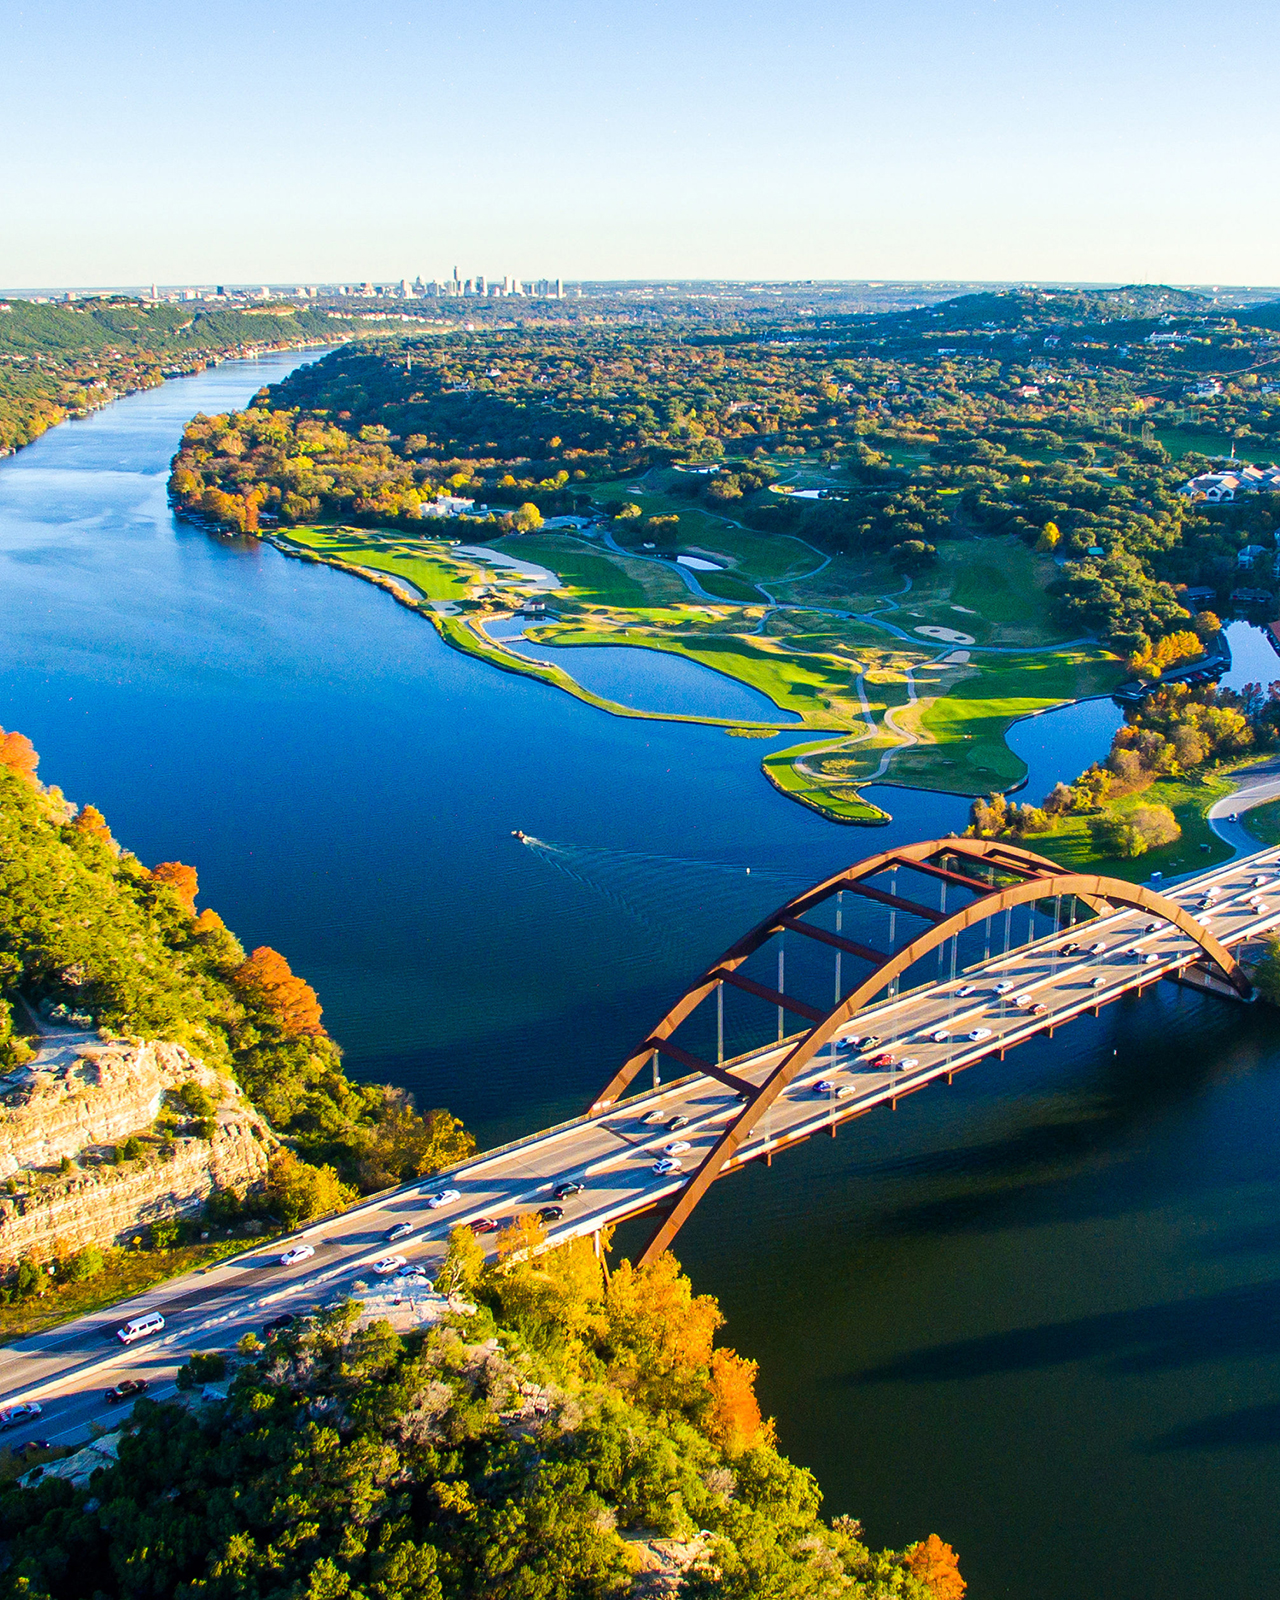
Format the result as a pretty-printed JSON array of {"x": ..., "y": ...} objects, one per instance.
[{"x": 1038, "y": 1313}]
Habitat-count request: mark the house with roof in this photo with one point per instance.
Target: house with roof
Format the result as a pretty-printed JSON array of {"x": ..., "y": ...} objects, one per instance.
[{"x": 1217, "y": 487}]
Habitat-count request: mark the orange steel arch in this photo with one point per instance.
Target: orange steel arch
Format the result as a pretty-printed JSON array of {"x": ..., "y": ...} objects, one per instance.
[
  {"x": 1093, "y": 889},
  {"x": 994, "y": 853}
]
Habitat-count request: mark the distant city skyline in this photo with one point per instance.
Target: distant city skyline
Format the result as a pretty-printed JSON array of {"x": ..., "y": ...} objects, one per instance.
[{"x": 848, "y": 142}]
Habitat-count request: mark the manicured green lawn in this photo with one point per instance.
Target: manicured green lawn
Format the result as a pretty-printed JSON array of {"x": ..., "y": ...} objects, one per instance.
[
  {"x": 839, "y": 802},
  {"x": 590, "y": 575},
  {"x": 1263, "y": 822},
  {"x": 433, "y": 571}
]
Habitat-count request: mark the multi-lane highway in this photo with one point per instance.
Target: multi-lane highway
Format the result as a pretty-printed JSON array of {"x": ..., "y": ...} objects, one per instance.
[{"x": 615, "y": 1155}]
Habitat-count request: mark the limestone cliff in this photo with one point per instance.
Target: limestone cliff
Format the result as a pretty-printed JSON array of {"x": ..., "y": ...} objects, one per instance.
[{"x": 65, "y": 1115}]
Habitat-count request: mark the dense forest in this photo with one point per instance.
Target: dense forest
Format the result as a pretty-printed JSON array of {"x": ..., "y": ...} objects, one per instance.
[
  {"x": 564, "y": 1436},
  {"x": 1036, "y": 415},
  {"x": 59, "y": 361},
  {"x": 84, "y": 924}
]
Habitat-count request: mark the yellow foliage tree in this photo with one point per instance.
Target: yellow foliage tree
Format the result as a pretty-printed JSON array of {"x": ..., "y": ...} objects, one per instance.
[
  {"x": 938, "y": 1567},
  {"x": 733, "y": 1416},
  {"x": 660, "y": 1333}
]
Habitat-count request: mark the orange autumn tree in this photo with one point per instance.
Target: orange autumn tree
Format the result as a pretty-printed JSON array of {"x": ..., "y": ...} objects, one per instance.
[
  {"x": 938, "y": 1567},
  {"x": 18, "y": 753},
  {"x": 660, "y": 1333},
  {"x": 181, "y": 879},
  {"x": 733, "y": 1417},
  {"x": 90, "y": 822},
  {"x": 266, "y": 976}
]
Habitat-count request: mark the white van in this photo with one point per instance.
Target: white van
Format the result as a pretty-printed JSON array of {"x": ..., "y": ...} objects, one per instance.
[{"x": 140, "y": 1327}]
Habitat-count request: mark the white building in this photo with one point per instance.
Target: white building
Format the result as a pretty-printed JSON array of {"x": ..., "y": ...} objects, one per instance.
[
  {"x": 1218, "y": 487},
  {"x": 446, "y": 505}
]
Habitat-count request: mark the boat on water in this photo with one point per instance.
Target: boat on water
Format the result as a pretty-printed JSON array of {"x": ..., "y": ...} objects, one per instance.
[{"x": 517, "y": 833}]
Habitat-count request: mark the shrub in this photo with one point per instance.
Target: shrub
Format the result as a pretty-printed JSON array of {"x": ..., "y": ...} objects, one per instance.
[
  {"x": 87, "y": 1263},
  {"x": 203, "y": 1367}
]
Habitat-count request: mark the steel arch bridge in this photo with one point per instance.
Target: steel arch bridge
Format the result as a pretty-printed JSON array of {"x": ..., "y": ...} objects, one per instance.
[{"x": 995, "y": 877}]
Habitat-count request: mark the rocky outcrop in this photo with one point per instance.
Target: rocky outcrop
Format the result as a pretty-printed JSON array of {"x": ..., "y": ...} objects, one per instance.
[{"x": 64, "y": 1117}]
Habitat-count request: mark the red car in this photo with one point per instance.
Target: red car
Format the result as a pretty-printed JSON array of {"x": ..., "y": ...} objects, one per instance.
[
  {"x": 884, "y": 1059},
  {"x": 483, "y": 1225}
]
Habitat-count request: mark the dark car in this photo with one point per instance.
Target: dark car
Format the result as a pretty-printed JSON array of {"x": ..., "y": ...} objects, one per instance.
[
  {"x": 566, "y": 1191},
  {"x": 483, "y": 1225},
  {"x": 550, "y": 1213},
  {"x": 279, "y": 1324},
  {"x": 126, "y": 1390}
]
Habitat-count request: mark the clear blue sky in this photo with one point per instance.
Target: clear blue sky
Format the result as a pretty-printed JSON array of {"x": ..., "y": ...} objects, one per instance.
[{"x": 1131, "y": 139}]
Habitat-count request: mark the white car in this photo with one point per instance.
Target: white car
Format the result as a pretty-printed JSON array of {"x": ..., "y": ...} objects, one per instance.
[
  {"x": 1024, "y": 1001},
  {"x": 844, "y": 1091},
  {"x": 908, "y": 1063},
  {"x": 978, "y": 1034},
  {"x": 299, "y": 1252},
  {"x": 965, "y": 990},
  {"x": 24, "y": 1411},
  {"x": 1151, "y": 959},
  {"x": 1098, "y": 983},
  {"x": 1204, "y": 918},
  {"x": 388, "y": 1265},
  {"x": 443, "y": 1197},
  {"x": 940, "y": 1035},
  {"x": 654, "y": 1116},
  {"x": 1212, "y": 894},
  {"x": 1004, "y": 986},
  {"x": 402, "y": 1230},
  {"x": 666, "y": 1166},
  {"x": 1097, "y": 949},
  {"x": 414, "y": 1274},
  {"x": 677, "y": 1147}
]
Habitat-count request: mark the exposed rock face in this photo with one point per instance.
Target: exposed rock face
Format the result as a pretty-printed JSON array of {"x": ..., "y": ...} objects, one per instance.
[{"x": 77, "y": 1097}]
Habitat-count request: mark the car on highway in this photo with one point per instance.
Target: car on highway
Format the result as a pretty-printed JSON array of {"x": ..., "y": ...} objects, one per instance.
[
  {"x": 125, "y": 1390},
  {"x": 1039, "y": 1009},
  {"x": 653, "y": 1117},
  {"x": 388, "y": 1265},
  {"x": 1024, "y": 1002},
  {"x": 415, "y": 1272},
  {"x": 1234, "y": 817},
  {"x": 1097, "y": 949},
  {"x": 296, "y": 1253},
  {"x": 442, "y": 1197},
  {"x": 823, "y": 1086},
  {"x": 976, "y": 1035},
  {"x": 666, "y": 1166},
  {"x": 1150, "y": 960},
  {"x": 1204, "y": 918},
  {"x": 567, "y": 1189},
  {"x": 286, "y": 1319},
  {"x": 908, "y": 1062},
  {"x": 483, "y": 1225},
  {"x": 1151, "y": 927},
  {"x": 1099, "y": 982},
  {"x": 844, "y": 1091},
  {"x": 868, "y": 1041},
  {"x": 1213, "y": 893},
  {"x": 677, "y": 1147},
  {"x": 24, "y": 1411},
  {"x": 940, "y": 1035},
  {"x": 677, "y": 1122},
  {"x": 140, "y": 1328},
  {"x": 402, "y": 1230},
  {"x": 1003, "y": 986},
  {"x": 884, "y": 1059},
  {"x": 966, "y": 989},
  {"x": 1069, "y": 949},
  {"x": 550, "y": 1213}
]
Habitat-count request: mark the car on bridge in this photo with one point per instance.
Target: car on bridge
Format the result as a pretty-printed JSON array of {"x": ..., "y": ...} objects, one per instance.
[
  {"x": 388, "y": 1265},
  {"x": 1069, "y": 949},
  {"x": 940, "y": 1035},
  {"x": 823, "y": 1086},
  {"x": 567, "y": 1189},
  {"x": 677, "y": 1122},
  {"x": 966, "y": 990},
  {"x": 483, "y": 1225},
  {"x": 869, "y": 1041},
  {"x": 1100, "y": 982},
  {"x": 550, "y": 1213},
  {"x": 666, "y": 1166},
  {"x": 976, "y": 1035},
  {"x": 908, "y": 1062},
  {"x": 885, "y": 1059},
  {"x": 125, "y": 1391},
  {"x": 677, "y": 1147},
  {"x": 653, "y": 1118},
  {"x": 443, "y": 1197},
  {"x": 24, "y": 1411},
  {"x": 1097, "y": 949},
  {"x": 299, "y": 1252},
  {"x": 1003, "y": 986},
  {"x": 402, "y": 1230}
]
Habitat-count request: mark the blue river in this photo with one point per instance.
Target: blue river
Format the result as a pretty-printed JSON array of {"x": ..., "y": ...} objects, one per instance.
[{"x": 1037, "y": 1313}]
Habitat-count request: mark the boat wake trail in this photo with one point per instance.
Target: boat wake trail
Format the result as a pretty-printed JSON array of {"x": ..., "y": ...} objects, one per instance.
[{"x": 672, "y": 897}]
